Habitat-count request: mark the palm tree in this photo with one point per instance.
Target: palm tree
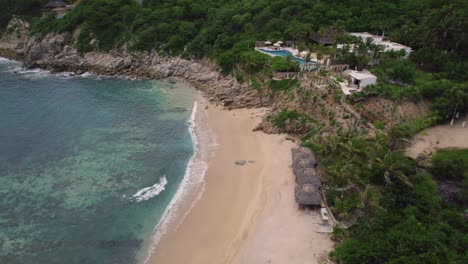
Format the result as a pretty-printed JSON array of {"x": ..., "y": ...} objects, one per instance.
[
  {"x": 398, "y": 136},
  {"x": 355, "y": 147},
  {"x": 458, "y": 97},
  {"x": 344, "y": 175},
  {"x": 393, "y": 164},
  {"x": 369, "y": 198}
]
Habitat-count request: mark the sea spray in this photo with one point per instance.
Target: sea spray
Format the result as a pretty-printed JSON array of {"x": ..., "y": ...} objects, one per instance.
[{"x": 150, "y": 192}]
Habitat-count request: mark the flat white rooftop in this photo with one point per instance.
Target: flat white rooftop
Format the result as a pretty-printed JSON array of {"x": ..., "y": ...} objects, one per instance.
[{"x": 389, "y": 45}]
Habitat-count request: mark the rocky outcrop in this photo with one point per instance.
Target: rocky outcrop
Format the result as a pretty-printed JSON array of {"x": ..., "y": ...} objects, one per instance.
[{"x": 57, "y": 52}]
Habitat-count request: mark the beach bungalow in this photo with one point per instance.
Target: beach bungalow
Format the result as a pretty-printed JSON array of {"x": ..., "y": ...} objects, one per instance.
[
  {"x": 308, "y": 196},
  {"x": 308, "y": 176},
  {"x": 308, "y": 183}
]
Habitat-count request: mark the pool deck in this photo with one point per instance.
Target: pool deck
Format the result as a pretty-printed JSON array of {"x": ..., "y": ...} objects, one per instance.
[{"x": 293, "y": 52}]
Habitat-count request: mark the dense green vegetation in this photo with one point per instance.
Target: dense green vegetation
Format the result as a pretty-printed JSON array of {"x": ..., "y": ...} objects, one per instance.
[
  {"x": 450, "y": 164},
  {"x": 436, "y": 29},
  {"x": 414, "y": 226},
  {"x": 226, "y": 31},
  {"x": 26, "y": 8},
  {"x": 405, "y": 221}
]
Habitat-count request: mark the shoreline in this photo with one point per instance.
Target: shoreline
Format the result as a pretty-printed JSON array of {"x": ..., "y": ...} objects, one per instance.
[
  {"x": 196, "y": 218},
  {"x": 192, "y": 184},
  {"x": 239, "y": 206}
]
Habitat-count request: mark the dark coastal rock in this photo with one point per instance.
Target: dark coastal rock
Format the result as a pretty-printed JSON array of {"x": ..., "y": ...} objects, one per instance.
[
  {"x": 56, "y": 52},
  {"x": 240, "y": 162},
  {"x": 171, "y": 80},
  {"x": 448, "y": 189}
]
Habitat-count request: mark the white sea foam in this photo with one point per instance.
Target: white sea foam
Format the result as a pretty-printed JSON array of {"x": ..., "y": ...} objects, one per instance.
[
  {"x": 194, "y": 176},
  {"x": 5, "y": 60},
  {"x": 150, "y": 192},
  {"x": 87, "y": 74}
]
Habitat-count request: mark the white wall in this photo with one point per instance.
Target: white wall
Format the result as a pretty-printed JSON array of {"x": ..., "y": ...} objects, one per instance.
[{"x": 368, "y": 81}]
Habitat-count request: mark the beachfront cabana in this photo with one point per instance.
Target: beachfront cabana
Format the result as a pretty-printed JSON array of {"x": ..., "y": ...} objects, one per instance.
[
  {"x": 308, "y": 176},
  {"x": 308, "y": 196},
  {"x": 308, "y": 183},
  {"x": 304, "y": 156}
]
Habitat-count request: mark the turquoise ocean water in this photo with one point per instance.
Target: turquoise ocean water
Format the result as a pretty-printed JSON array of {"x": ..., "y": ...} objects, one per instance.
[{"x": 87, "y": 164}]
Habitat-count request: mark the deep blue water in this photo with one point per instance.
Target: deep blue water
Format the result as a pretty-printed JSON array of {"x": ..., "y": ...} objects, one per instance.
[{"x": 73, "y": 153}]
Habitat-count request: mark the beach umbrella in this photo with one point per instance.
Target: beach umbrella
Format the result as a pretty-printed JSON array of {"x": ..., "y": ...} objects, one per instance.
[
  {"x": 280, "y": 42},
  {"x": 303, "y": 54},
  {"x": 277, "y": 45},
  {"x": 267, "y": 42}
]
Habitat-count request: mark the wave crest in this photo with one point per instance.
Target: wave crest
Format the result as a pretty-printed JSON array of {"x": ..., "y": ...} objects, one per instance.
[{"x": 150, "y": 192}]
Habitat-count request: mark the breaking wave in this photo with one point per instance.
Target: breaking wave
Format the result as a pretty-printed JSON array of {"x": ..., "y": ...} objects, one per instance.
[{"x": 150, "y": 192}]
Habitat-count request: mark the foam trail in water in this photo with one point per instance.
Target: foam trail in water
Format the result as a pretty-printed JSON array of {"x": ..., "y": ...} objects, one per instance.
[{"x": 150, "y": 192}]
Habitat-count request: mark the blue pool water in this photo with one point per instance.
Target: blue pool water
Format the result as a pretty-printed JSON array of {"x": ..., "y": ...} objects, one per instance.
[
  {"x": 88, "y": 165},
  {"x": 284, "y": 53}
]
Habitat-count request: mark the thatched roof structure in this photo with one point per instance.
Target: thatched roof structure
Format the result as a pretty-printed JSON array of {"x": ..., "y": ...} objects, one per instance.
[
  {"x": 322, "y": 39},
  {"x": 308, "y": 176},
  {"x": 55, "y": 4},
  {"x": 308, "y": 182},
  {"x": 303, "y": 158},
  {"x": 303, "y": 153},
  {"x": 308, "y": 194}
]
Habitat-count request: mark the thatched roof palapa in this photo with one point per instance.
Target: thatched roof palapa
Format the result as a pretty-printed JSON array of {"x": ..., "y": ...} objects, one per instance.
[
  {"x": 322, "y": 39},
  {"x": 308, "y": 182},
  {"x": 303, "y": 158},
  {"x": 308, "y": 176},
  {"x": 308, "y": 194}
]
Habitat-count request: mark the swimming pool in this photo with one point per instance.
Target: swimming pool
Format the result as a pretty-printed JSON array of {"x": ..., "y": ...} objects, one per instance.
[{"x": 284, "y": 53}]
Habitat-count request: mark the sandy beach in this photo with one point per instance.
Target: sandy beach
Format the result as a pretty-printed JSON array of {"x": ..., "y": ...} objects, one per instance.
[
  {"x": 242, "y": 213},
  {"x": 439, "y": 137}
]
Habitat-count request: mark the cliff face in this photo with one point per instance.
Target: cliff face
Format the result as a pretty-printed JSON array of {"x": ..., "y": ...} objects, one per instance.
[{"x": 57, "y": 52}]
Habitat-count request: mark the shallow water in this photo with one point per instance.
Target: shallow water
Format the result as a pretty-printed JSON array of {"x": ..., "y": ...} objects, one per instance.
[{"x": 87, "y": 164}]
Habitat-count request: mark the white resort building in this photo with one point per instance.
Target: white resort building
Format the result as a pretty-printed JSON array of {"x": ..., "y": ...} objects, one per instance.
[
  {"x": 356, "y": 80},
  {"x": 379, "y": 40}
]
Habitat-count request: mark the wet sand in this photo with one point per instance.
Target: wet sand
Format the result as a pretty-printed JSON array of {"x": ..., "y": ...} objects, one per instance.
[{"x": 246, "y": 213}]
